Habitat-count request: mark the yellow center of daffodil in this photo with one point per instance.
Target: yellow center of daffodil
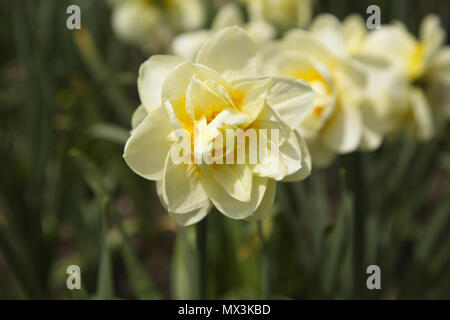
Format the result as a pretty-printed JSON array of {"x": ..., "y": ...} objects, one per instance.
[{"x": 416, "y": 62}]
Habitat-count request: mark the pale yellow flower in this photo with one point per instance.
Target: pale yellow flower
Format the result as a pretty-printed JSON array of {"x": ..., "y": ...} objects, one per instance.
[
  {"x": 416, "y": 59},
  {"x": 151, "y": 24},
  {"x": 284, "y": 14},
  {"x": 187, "y": 44},
  {"x": 384, "y": 100},
  {"x": 220, "y": 90},
  {"x": 335, "y": 124}
]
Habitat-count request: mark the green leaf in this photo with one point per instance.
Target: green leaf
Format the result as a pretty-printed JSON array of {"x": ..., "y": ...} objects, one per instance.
[
  {"x": 90, "y": 172},
  {"x": 109, "y": 132},
  {"x": 105, "y": 284},
  {"x": 185, "y": 266}
]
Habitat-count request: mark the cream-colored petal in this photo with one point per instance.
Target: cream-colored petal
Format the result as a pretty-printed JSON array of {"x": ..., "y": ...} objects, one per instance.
[
  {"x": 203, "y": 100},
  {"x": 260, "y": 31},
  {"x": 146, "y": 150},
  {"x": 342, "y": 132},
  {"x": 231, "y": 52},
  {"x": 249, "y": 93},
  {"x": 373, "y": 127},
  {"x": 266, "y": 203},
  {"x": 292, "y": 99},
  {"x": 432, "y": 36},
  {"x": 175, "y": 87},
  {"x": 354, "y": 31},
  {"x": 138, "y": 116},
  {"x": 269, "y": 119},
  {"x": 327, "y": 29},
  {"x": 136, "y": 22},
  {"x": 235, "y": 179},
  {"x": 181, "y": 187},
  {"x": 187, "y": 14},
  {"x": 177, "y": 81},
  {"x": 400, "y": 42},
  {"x": 184, "y": 219},
  {"x": 422, "y": 114},
  {"x": 270, "y": 163},
  {"x": 190, "y": 218},
  {"x": 304, "y": 42},
  {"x": 229, "y": 15},
  {"x": 228, "y": 205},
  {"x": 439, "y": 67},
  {"x": 291, "y": 153},
  {"x": 152, "y": 74},
  {"x": 306, "y": 163},
  {"x": 187, "y": 44}
]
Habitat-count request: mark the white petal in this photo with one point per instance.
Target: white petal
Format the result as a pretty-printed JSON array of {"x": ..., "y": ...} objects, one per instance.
[
  {"x": 373, "y": 127},
  {"x": 230, "y": 52},
  {"x": 181, "y": 186},
  {"x": 269, "y": 119},
  {"x": 292, "y": 99},
  {"x": 235, "y": 179},
  {"x": 229, "y": 15},
  {"x": 266, "y": 203},
  {"x": 355, "y": 31},
  {"x": 431, "y": 34},
  {"x": 187, "y": 219},
  {"x": 146, "y": 150},
  {"x": 260, "y": 31},
  {"x": 138, "y": 116},
  {"x": 175, "y": 88},
  {"x": 342, "y": 132},
  {"x": 152, "y": 74},
  {"x": 306, "y": 163},
  {"x": 304, "y": 42},
  {"x": 184, "y": 219},
  {"x": 203, "y": 100},
  {"x": 270, "y": 163},
  {"x": 187, "y": 44},
  {"x": 422, "y": 114},
  {"x": 326, "y": 28},
  {"x": 228, "y": 205}
]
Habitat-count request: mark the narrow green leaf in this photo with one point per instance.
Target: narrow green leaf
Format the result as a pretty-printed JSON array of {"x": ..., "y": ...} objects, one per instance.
[
  {"x": 185, "y": 266},
  {"x": 105, "y": 285},
  {"x": 109, "y": 132}
]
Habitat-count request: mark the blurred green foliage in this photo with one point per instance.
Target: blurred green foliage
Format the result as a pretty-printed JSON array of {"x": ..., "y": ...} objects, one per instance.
[{"x": 67, "y": 197}]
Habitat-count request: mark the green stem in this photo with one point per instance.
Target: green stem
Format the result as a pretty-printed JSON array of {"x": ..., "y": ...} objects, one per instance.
[
  {"x": 202, "y": 247},
  {"x": 358, "y": 184},
  {"x": 265, "y": 273}
]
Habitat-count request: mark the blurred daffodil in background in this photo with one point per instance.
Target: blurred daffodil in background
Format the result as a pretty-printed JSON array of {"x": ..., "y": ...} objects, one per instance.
[
  {"x": 150, "y": 24},
  {"x": 284, "y": 14},
  {"x": 187, "y": 44}
]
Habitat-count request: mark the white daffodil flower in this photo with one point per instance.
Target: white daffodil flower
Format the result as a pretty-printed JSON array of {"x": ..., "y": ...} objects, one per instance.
[
  {"x": 186, "y": 106},
  {"x": 335, "y": 123},
  {"x": 284, "y": 14},
  {"x": 384, "y": 99},
  {"x": 151, "y": 24},
  {"x": 417, "y": 60},
  {"x": 187, "y": 44}
]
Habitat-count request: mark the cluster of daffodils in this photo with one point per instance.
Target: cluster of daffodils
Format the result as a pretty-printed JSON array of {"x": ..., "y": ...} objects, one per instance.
[{"x": 242, "y": 105}]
